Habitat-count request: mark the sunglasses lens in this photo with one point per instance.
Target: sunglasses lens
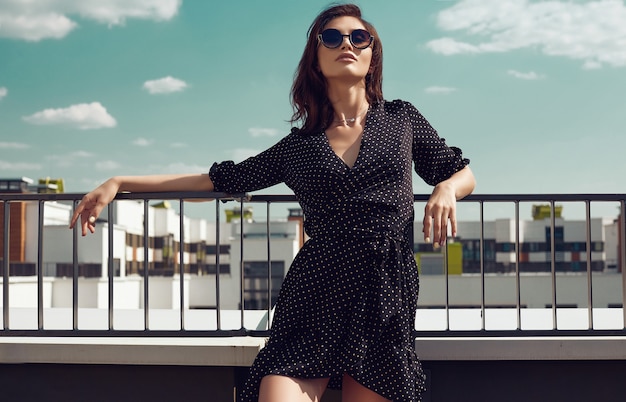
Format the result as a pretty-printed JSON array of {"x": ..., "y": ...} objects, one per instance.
[
  {"x": 331, "y": 38},
  {"x": 360, "y": 38}
]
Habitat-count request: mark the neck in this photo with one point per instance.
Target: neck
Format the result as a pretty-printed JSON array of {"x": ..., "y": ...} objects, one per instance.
[{"x": 349, "y": 103}]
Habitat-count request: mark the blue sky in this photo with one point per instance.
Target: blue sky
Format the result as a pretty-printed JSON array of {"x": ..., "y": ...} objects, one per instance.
[{"x": 532, "y": 91}]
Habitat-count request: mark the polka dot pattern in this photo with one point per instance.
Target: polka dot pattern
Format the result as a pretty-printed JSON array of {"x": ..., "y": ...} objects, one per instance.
[{"x": 348, "y": 302}]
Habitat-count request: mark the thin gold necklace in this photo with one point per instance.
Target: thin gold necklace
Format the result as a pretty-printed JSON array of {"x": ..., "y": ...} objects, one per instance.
[{"x": 351, "y": 120}]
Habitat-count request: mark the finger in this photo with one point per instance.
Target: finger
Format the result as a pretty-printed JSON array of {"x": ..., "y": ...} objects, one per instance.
[
  {"x": 443, "y": 233},
  {"x": 94, "y": 213},
  {"x": 453, "y": 223},
  {"x": 76, "y": 214},
  {"x": 86, "y": 221},
  {"x": 84, "y": 224},
  {"x": 89, "y": 218},
  {"x": 436, "y": 231},
  {"x": 426, "y": 225}
]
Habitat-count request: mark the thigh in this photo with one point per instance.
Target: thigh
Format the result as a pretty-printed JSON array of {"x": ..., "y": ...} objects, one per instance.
[
  {"x": 278, "y": 388},
  {"x": 352, "y": 391}
]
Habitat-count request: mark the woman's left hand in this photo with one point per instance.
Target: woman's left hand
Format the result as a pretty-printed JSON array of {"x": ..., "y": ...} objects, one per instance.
[{"x": 440, "y": 208}]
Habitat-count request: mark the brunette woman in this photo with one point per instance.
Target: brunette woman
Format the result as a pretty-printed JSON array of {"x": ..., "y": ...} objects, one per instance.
[{"x": 345, "y": 315}]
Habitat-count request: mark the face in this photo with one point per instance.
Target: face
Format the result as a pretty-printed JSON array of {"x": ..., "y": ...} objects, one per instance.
[{"x": 345, "y": 61}]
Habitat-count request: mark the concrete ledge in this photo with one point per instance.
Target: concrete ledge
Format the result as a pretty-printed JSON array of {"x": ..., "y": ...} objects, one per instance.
[
  {"x": 235, "y": 351},
  {"x": 241, "y": 351}
]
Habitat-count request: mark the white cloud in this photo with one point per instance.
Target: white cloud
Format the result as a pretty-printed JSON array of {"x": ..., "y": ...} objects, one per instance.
[
  {"x": 107, "y": 165},
  {"x": 262, "y": 132},
  {"x": 68, "y": 160},
  {"x": 450, "y": 47},
  {"x": 37, "y": 20},
  {"x": 35, "y": 27},
  {"x": 84, "y": 116},
  {"x": 81, "y": 154},
  {"x": 178, "y": 145},
  {"x": 13, "y": 145},
  {"x": 142, "y": 142},
  {"x": 3, "y": 90},
  {"x": 531, "y": 75},
  {"x": 592, "y": 65},
  {"x": 439, "y": 90},
  {"x": 593, "y": 32},
  {"x": 164, "y": 85},
  {"x": 241, "y": 154},
  {"x": 19, "y": 166}
]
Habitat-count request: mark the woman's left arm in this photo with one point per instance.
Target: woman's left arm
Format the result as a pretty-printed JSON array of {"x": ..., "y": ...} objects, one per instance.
[{"x": 441, "y": 205}]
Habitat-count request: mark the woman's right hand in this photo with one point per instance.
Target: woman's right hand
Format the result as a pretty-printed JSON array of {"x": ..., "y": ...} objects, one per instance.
[{"x": 92, "y": 204}]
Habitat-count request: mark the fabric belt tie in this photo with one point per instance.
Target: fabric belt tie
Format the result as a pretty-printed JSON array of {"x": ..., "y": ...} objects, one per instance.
[{"x": 388, "y": 247}]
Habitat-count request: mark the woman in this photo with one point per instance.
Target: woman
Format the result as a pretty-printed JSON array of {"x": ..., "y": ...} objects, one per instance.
[{"x": 346, "y": 311}]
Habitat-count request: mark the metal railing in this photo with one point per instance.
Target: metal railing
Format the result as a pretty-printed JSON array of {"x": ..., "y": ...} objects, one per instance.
[{"x": 182, "y": 197}]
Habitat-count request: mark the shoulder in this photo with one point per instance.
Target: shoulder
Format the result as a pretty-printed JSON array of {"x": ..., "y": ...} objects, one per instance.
[
  {"x": 398, "y": 110},
  {"x": 294, "y": 136},
  {"x": 404, "y": 112},
  {"x": 395, "y": 106},
  {"x": 284, "y": 145},
  {"x": 297, "y": 136}
]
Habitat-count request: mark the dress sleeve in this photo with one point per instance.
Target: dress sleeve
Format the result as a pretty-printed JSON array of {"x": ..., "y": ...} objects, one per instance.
[
  {"x": 261, "y": 171},
  {"x": 434, "y": 160}
]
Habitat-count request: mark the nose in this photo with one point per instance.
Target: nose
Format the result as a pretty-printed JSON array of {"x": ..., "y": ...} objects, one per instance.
[{"x": 345, "y": 42}]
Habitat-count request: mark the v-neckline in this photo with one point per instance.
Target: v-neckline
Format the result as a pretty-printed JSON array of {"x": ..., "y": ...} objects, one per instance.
[
  {"x": 339, "y": 158},
  {"x": 359, "y": 151}
]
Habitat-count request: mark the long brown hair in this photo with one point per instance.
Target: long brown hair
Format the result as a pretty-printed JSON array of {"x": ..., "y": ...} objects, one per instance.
[{"x": 309, "y": 97}]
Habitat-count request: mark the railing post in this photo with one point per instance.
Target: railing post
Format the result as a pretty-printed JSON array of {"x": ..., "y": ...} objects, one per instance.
[
  {"x": 622, "y": 251},
  {"x": 446, "y": 274},
  {"x": 589, "y": 273},
  {"x": 181, "y": 262},
  {"x": 146, "y": 266},
  {"x": 40, "y": 219},
  {"x": 218, "y": 306},
  {"x": 269, "y": 266},
  {"x": 553, "y": 262},
  {"x": 518, "y": 292},
  {"x": 241, "y": 265},
  {"x": 6, "y": 260},
  {"x": 75, "y": 274},
  {"x": 111, "y": 264},
  {"x": 482, "y": 266}
]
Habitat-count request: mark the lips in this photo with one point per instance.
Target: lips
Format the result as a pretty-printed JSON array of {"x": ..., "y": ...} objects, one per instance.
[{"x": 346, "y": 57}]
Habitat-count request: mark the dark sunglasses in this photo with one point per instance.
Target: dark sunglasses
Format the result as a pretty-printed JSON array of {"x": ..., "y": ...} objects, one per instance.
[{"x": 332, "y": 38}]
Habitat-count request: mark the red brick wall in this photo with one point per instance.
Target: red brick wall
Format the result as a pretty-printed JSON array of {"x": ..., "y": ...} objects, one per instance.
[{"x": 17, "y": 231}]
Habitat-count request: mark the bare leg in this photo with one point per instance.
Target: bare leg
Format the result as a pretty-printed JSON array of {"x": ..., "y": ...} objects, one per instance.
[
  {"x": 352, "y": 391},
  {"x": 277, "y": 388}
]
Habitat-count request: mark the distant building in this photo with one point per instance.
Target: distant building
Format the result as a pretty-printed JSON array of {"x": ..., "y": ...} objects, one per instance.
[{"x": 535, "y": 242}]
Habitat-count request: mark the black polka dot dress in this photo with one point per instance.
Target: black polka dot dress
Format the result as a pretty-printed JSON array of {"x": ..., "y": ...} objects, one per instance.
[{"x": 348, "y": 302}]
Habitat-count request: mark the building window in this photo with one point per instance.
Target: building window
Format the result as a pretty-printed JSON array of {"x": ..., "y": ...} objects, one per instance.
[
  {"x": 256, "y": 283},
  {"x": 212, "y": 269},
  {"x": 505, "y": 247}
]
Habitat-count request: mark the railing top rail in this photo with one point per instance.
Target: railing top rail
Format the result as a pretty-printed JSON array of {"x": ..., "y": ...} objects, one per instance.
[
  {"x": 203, "y": 195},
  {"x": 479, "y": 197},
  {"x": 162, "y": 195}
]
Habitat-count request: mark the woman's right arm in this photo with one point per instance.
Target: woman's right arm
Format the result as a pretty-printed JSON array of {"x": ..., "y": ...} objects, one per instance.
[{"x": 94, "y": 202}]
